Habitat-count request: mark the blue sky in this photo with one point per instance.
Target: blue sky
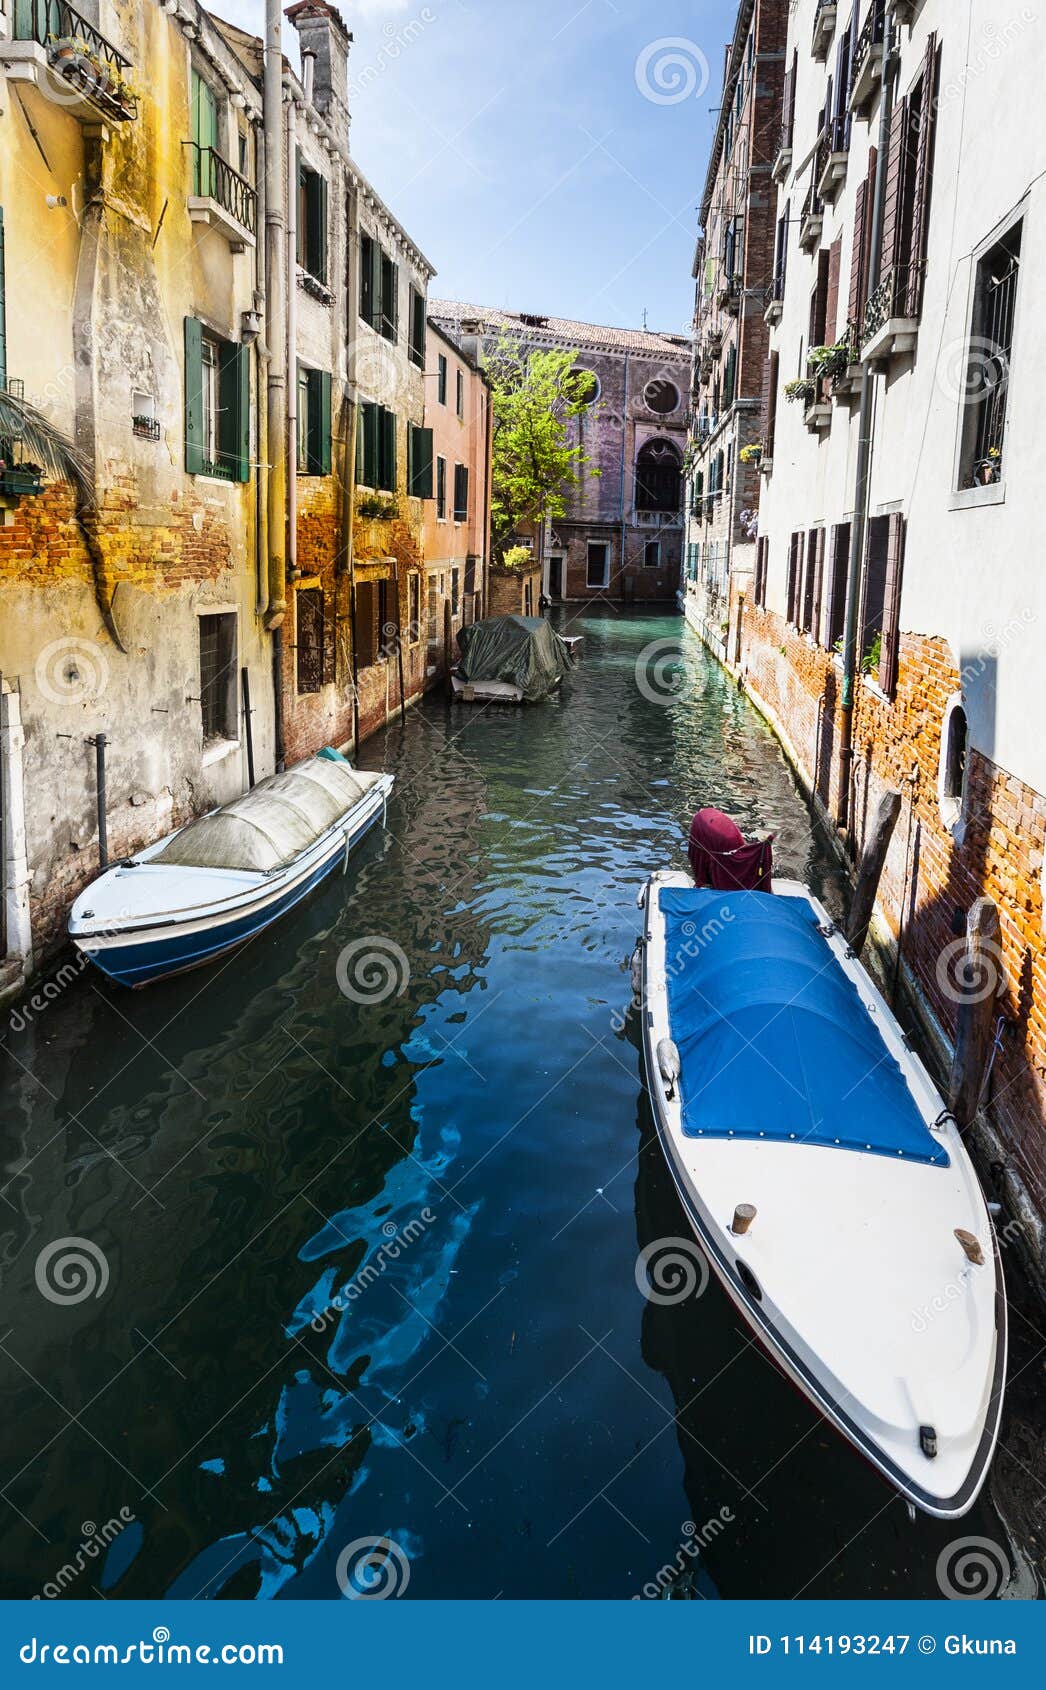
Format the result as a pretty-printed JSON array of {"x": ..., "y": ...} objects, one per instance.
[{"x": 547, "y": 155}]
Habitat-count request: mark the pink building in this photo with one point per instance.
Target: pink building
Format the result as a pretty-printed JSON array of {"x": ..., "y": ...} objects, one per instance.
[{"x": 456, "y": 527}]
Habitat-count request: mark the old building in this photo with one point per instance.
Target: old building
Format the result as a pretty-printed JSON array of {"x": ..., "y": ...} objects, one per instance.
[
  {"x": 620, "y": 538},
  {"x": 202, "y": 291},
  {"x": 890, "y": 627},
  {"x": 734, "y": 277},
  {"x": 456, "y": 530}
]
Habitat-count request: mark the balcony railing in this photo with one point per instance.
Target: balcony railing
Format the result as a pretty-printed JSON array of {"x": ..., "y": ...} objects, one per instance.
[
  {"x": 79, "y": 54},
  {"x": 870, "y": 37},
  {"x": 899, "y": 295},
  {"x": 215, "y": 179}
]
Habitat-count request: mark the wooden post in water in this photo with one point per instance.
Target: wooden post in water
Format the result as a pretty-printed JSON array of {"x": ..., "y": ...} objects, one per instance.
[
  {"x": 248, "y": 726},
  {"x": 870, "y": 871},
  {"x": 448, "y": 644},
  {"x": 977, "y": 1011}
]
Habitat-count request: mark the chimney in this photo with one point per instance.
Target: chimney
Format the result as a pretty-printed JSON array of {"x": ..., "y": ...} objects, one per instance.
[{"x": 324, "y": 37}]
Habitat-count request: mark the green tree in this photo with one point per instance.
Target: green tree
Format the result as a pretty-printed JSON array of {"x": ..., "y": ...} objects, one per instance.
[{"x": 535, "y": 460}]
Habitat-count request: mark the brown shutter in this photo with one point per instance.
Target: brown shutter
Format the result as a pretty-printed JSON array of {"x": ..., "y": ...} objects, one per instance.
[
  {"x": 831, "y": 313},
  {"x": 788, "y": 104},
  {"x": 873, "y": 596},
  {"x": 893, "y": 203},
  {"x": 818, "y": 586},
  {"x": 923, "y": 165},
  {"x": 855, "y": 308},
  {"x": 819, "y": 300},
  {"x": 771, "y": 375},
  {"x": 891, "y": 629},
  {"x": 838, "y": 577}
]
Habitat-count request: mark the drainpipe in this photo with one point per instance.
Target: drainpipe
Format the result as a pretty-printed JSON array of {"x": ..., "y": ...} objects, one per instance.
[
  {"x": 262, "y": 359},
  {"x": 275, "y": 239},
  {"x": 292, "y": 341},
  {"x": 859, "y": 524}
]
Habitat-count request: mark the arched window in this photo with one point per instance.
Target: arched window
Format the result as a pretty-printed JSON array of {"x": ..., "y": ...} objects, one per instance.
[
  {"x": 951, "y": 776},
  {"x": 659, "y": 478}
]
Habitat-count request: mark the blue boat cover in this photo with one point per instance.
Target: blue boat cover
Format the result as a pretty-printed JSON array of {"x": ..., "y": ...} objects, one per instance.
[{"x": 773, "y": 1038}]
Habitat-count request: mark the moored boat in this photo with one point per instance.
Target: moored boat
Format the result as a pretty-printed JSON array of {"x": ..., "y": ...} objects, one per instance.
[
  {"x": 825, "y": 1179},
  {"x": 221, "y": 879},
  {"x": 509, "y": 660}
]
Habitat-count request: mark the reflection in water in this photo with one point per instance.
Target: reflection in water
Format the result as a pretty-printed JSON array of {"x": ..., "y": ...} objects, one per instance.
[{"x": 372, "y": 1265}]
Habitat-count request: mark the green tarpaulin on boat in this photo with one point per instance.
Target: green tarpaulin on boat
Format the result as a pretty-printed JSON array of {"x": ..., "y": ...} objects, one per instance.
[{"x": 524, "y": 651}]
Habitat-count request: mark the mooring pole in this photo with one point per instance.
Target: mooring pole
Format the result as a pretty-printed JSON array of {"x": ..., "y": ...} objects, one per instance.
[
  {"x": 873, "y": 861},
  {"x": 399, "y": 647},
  {"x": 248, "y": 730},
  {"x": 977, "y": 1011},
  {"x": 448, "y": 644},
  {"x": 100, "y": 743}
]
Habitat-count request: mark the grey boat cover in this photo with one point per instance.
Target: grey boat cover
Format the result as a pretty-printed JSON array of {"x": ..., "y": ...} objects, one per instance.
[
  {"x": 525, "y": 651},
  {"x": 273, "y": 823}
]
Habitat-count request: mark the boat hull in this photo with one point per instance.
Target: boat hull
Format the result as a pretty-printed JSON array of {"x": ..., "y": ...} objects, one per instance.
[
  {"x": 150, "y": 952},
  {"x": 818, "y": 1384}
]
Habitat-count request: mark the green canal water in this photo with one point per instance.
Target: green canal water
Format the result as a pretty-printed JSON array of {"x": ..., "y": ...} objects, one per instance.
[{"x": 462, "y": 1148}]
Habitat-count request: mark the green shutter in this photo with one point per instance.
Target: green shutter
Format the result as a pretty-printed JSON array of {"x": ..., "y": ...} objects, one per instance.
[
  {"x": 318, "y": 435},
  {"x": 234, "y": 407},
  {"x": 370, "y": 445},
  {"x": 193, "y": 396},
  {"x": 387, "y": 458},
  {"x": 317, "y": 217},
  {"x": 375, "y": 285},
  {"x": 3, "y": 310},
  {"x": 243, "y": 413},
  {"x": 360, "y": 478},
  {"x": 419, "y": 462}
]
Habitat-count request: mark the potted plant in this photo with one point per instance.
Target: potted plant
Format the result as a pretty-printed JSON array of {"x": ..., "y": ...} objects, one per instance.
[
  {"x": 516, "y": 557},
  {"x": 870, "y": 660},
  {"x": 801, "y": 392},
  {"x": 987, "y": 469},
  {"x": 829, "y": 360},
  {"x": 751, "y": 454}
]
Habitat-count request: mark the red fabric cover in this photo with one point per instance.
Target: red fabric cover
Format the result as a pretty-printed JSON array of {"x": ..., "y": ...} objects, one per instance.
[{"x": 720, "y": 857}]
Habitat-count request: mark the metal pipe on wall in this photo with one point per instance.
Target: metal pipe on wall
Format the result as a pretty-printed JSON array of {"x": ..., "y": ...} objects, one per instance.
[
  {"x": 292, "y": 340},
  {"x": 865, "y": 441},
  {"x": 275, "y": 267}
]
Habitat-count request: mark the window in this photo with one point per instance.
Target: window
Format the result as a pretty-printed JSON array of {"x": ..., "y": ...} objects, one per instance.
[
  {"x": 584, "y": 386},
  {"x": 461, "y": 493},
  {"x": 986, "y": 389},
  {"x": 441, "y": 379},
  {"x": 693, "y": 553},
  {"x": 819, "y": 301},
  {"x": 432, "y": 616},
  {"x": 376, "y": 448},
  {"x": 314, "y": 421},
  {"x": 762, "y": 560},
  {"x": 309, "y": 638},
  {"x": 441, "y": 489},
  {"x": 419, "y": 462},
  {"x": 952, "y": 770},
  {"x": 661, "y": 396},
  {"x": 379, "y": 288},
  {"x": 652, "y": 555},
  {"x": 218, "y": 677},
  {"x": 312, "y": 222},
  {"x": 454, "y": 591},
  {"x": 658, "y": 478},
  {"x": 416, "y": 345},
  {"x": 460, "y": 393},
  {"x": 371, "y": 619},
  {"x": 730, "y": 377},
  {"x": 838, "y": 578},
  {"x": 204, "y": 134},
  {"x": 881, "y": 600},
  {"x": 795, "y": 553},
  {"x": 598, "y": 570},
  {"x": 528, "y": 598},
  {"x": 217, "y": 405},
  {"x": 811, "y": 606},
  {"x": 414, "y": 606}
]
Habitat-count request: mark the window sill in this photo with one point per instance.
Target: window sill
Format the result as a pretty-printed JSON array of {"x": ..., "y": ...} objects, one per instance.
[
  {"x": 218, "y": 750},
  {"x": 973, "y": 498}
]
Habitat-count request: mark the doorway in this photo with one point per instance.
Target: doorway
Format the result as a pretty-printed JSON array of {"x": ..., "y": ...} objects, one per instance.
[{"x": 555, "y": 577}]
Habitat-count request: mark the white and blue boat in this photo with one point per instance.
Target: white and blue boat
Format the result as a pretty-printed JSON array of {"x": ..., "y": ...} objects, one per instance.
[
  {"x": 221, "y": 879},
  {"x": 825, "y": 1180}
]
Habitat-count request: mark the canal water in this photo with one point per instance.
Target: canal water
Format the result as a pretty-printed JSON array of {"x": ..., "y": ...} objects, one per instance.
[{"x": 419, "y": 1095}]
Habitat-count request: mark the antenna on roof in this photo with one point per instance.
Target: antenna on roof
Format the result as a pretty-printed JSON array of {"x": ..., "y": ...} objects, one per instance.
[{"x": 644, "y": 316}]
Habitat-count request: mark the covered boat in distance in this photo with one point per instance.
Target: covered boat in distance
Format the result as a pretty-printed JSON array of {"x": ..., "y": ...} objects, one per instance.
[
  {"x": 515, "y": 659},
  {"x": 220, "y": 880},
  {"x": 825, "y": 1179}
]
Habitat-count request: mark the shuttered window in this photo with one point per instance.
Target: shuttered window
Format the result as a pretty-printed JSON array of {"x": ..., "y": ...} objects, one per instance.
[
  {"x": 217, "y": 405},
  {"x": 312, "y": 222},
  {"x": 416, "y": 348},
  {"x": 461, "y": 493},
  {"x": 419, "y": 462},
  {"x": 441, "y": 379},
  {"x": 441, "y": 489},
  {"x": 795, "y": 552},
  {"x": 838, "y": 576},
  {"x": 923, "y": 107},
  {"x": 730, "y": 378},
  {"x": 376, "y": 448},
  {"x": 893, "y": 200},
  {"x": 366, "y": 621},
  {"x": 831, "y": 307},
  {"x": 788, "y": 102},
  {"x": 891, "y": 618},
  {"x": 860, "y": 262},
  {"x": 873, "y": 595},
  {"x": 762, "y": 559},
  {"x": 770, "y": 393},
  {"x": 387, "y": 451},
  {"x": 390, "y": 284},
  {"x": 309, "y": 638},
  {"x": 819, "y": 301},
  {"x": 3, "y": 310},
  {"x": 314, "y": 425}
]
